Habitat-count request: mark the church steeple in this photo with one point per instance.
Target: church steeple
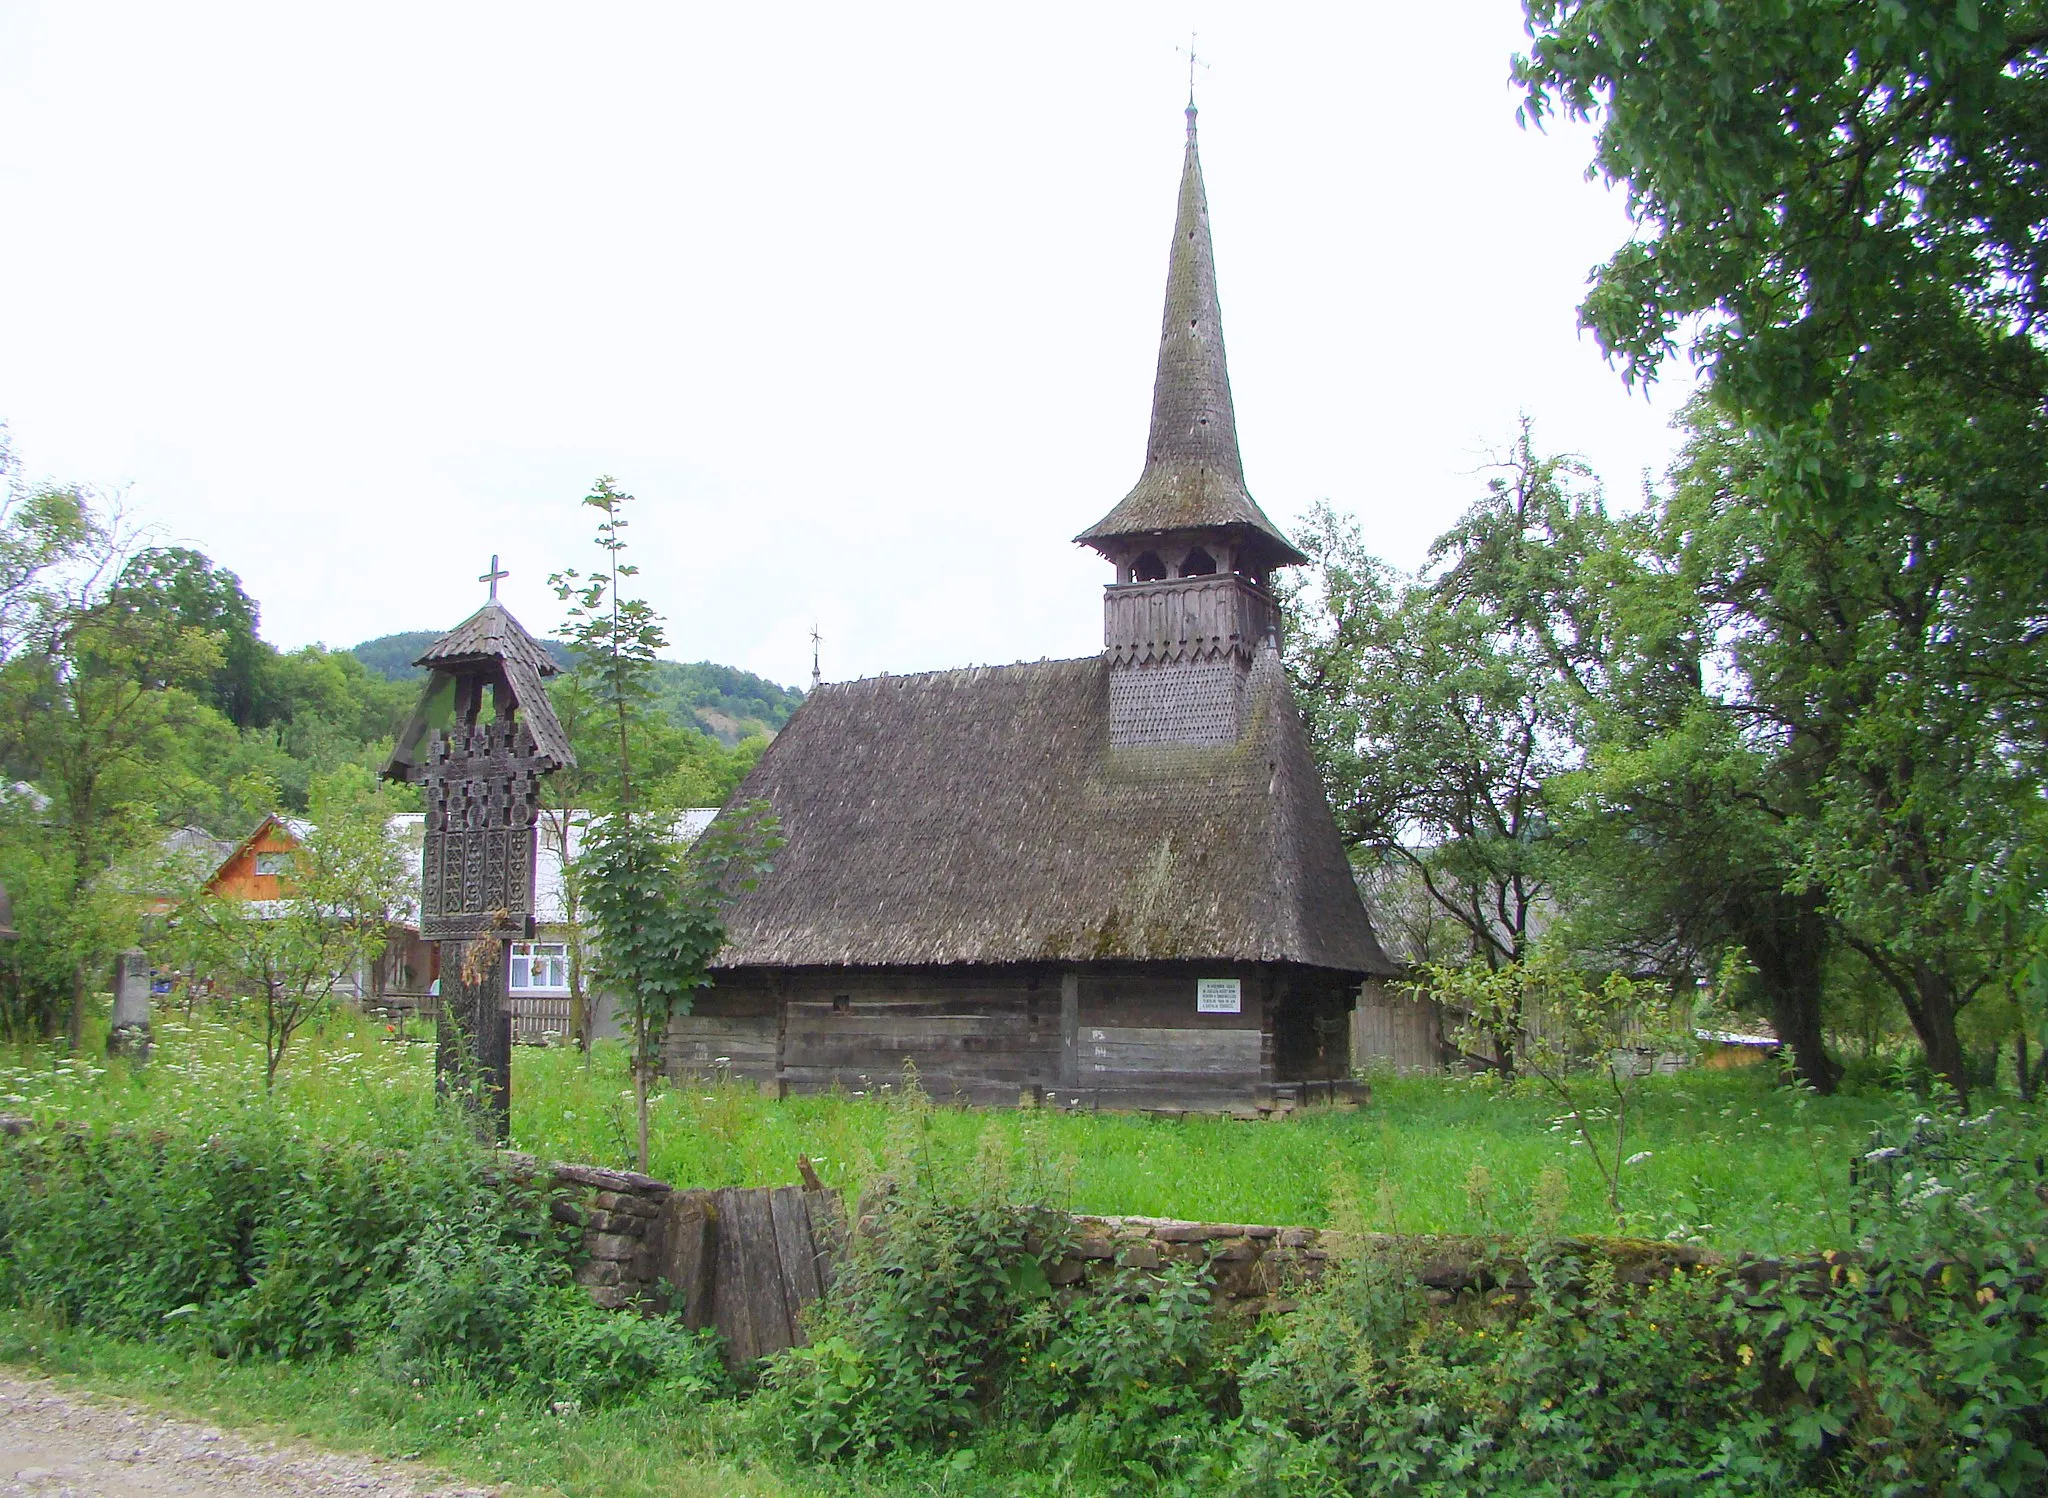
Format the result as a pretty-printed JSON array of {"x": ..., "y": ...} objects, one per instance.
[
  {"x": 1189, "y": 609},
  {"x": 1193, "y": 478}
]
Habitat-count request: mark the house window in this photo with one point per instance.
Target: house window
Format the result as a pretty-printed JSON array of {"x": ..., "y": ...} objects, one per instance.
[
  {"x": 539, "y": 967},
  {"x": 273, "y": 863}
]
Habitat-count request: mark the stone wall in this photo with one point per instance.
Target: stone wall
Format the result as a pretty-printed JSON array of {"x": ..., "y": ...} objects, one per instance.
[
  {"x": 644, "y": 1240},
  {"x": 620, "y": 1213},
  {"x": 1254, "y": 1265},
  {"x": 1257, "y": 1267}
]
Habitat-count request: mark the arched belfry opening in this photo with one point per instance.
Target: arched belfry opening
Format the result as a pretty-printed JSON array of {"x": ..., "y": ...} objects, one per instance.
[{"x": 1190, "y": 609}]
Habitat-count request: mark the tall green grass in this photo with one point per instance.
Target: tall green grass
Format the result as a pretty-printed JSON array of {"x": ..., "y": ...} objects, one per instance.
[{"x": 1729, "y": 1159}]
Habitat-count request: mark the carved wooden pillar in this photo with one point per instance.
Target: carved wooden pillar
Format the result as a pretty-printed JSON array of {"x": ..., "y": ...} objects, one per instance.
[
  {"x": 481, "y": 784},
  {"x": 473, "y": 1039},
  {"x": 482, "y": 788}
]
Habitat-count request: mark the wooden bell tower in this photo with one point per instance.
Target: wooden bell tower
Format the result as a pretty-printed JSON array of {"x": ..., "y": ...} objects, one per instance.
[{"x": 1193, "y": 551}]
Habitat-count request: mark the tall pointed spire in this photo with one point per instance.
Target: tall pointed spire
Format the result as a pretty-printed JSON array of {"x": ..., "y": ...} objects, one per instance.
[{"x": 1194, "y": 477}]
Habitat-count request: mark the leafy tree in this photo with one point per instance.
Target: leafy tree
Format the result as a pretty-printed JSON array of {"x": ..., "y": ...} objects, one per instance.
[
  {"x": 1842, "y": 202},
  {"x": 1891, "y": 653},
  {"x": 613, "y": 642},
  {"x": 183, "y": 589},
  {"x": 1670, "y": 843},
  {"x": 1440, "y": 717},
  {"x": 1843, "y": 205},
  {"x": 657, "y": 918},
  {"x": 44, "y": 530},
  {"x": 88, "y": 707},
  {"x": 292, "y": 955},
  {"x": 616, "y": 637}
]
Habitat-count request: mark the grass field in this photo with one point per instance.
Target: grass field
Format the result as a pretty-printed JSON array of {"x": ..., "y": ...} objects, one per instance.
[
  {"x": 1731, "y": 1161},
  {"x": 1725, "y": 1158}
]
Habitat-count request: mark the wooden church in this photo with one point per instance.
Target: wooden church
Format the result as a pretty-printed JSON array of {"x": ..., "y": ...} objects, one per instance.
[{"x": 1112, "y": 881}]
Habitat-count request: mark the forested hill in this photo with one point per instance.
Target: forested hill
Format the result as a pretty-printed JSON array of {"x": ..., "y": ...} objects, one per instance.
[{"x": 724, "y": 701}]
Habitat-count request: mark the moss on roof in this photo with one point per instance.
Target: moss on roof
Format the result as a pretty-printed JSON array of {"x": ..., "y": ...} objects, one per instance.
[{"x": 980, "y": 816}]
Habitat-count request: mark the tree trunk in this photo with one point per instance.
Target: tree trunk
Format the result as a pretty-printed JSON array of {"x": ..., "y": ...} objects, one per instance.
[
  {"x": 640, "y": 1107},
  {"x": 2019, "y": 1064},
  {"x": 1934, "y": 1021},
  {"x": 1786, "y": 938}
]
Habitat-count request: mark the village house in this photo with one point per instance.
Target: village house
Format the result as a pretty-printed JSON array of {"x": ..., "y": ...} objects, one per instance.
[
  {"x": 259, "y": 870},
  {"x": 403, "y": 981},
  {"x": 1112, "y": 881}
]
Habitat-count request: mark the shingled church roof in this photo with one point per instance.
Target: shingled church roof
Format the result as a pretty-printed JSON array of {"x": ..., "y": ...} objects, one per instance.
[
  {"x": 1194, "y": 475},
  {"x": 980, "y": 816}
]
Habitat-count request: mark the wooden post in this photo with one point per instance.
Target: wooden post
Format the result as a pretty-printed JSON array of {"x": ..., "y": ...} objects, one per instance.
[
  {"x": 473, "y": 1036},
  {"x": 1070, "y": 1029}
]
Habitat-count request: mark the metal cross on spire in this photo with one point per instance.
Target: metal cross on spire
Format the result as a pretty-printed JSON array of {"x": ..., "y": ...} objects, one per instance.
[
  {"x": 1193, "y": 61},
  {"x": 816, "y": 640},
  {"x": 493, "y": 575}
]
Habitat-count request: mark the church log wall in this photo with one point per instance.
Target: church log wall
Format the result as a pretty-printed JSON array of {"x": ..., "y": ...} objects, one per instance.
[
  {"x": 978, "y": 1035},
  {"x": 1095, "y": 1036}
]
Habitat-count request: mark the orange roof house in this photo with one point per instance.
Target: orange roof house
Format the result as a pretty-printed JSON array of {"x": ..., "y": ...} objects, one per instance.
[
  {"x": 260, "y": 867},
  {"x": 260, "y": 871}
]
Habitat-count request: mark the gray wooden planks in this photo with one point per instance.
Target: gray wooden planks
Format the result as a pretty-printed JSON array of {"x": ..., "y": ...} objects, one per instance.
[
  {"x": 760, "y": 1262},
  {"x": 748, "y": 1261},
  {"x": 689, "y": 1252}
]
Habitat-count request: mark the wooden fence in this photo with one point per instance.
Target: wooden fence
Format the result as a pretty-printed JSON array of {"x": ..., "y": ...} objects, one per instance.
[{"x": 749, "y": 1261}]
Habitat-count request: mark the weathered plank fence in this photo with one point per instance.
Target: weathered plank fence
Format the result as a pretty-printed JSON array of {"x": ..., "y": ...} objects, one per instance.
[
  {"x": 749, "y": 1262},
  {"x": 746, "y": 1262}
]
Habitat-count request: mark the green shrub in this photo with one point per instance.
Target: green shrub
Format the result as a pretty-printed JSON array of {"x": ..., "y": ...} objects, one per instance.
[
  {"x": 1920, "y": 1364},
  {"x": 462, "y": 1304},
  {"x": 253, "y": 1237},
  {"x": 920, "y": 1325},
  {"x": 254, "y": 1240},
  {"x": 479, "y": 1306},
  {"x": 922, "y": 1321},
  {"x": 1913, "y": 1367},
  {"x": 1129, "y": 1378},
  {"x": 573, "y": 1351}
]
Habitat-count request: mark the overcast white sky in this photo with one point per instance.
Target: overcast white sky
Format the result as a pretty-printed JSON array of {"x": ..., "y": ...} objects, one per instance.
[{"x": 861, "y": 302}]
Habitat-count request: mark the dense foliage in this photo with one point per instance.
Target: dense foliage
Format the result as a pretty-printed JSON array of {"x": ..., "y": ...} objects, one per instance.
[
  {"x": 1907, "y": 1364},
  {"x": 1715, "y": 738},
  {"x": 1842, "y": 204},
  {"x": 945, "y": 1318},
  {"x": 184, "y": 1218},
  {"x": 252, "y": 1240},
  {"x": 1791, "y": 714}
]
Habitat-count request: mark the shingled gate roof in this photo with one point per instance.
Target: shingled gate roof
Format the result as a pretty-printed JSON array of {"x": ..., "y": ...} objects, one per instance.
[
  {"x": 489, "y": 637},
  {"x": 1194, "y": 475},
  {"x": 490, "y": 634},
  {"x": 980, "y": 816}
]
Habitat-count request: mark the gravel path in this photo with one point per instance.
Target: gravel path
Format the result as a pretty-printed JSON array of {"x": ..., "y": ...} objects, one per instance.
[{"x": 55, "y": 1443}]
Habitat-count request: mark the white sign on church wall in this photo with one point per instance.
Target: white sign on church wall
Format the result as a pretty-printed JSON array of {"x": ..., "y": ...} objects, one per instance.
[{"x": 1219, "y": 996}]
